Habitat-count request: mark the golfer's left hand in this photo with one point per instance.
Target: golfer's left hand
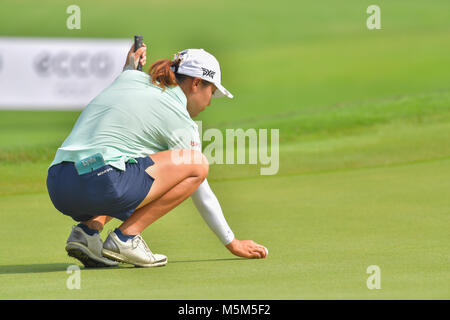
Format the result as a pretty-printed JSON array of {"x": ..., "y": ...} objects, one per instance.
[
  {"x": 133, "y": 58},
  {"x": 247, "y": 249}
]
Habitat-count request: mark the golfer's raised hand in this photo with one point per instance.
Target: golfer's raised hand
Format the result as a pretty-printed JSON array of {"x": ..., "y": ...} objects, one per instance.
[
  {"x": 247, "y": 249},
  {"x": 133, "y": 58}
]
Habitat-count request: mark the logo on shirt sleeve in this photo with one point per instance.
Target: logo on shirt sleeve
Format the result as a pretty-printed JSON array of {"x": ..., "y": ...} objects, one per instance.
[{"x": 195, "y": 143}]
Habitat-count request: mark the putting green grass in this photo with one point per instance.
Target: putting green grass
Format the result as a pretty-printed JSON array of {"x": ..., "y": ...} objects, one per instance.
[
  {"x": 364, "y": 154},
  {"x": 375, "y": 195},
  {"x": 323, "y": 231}
]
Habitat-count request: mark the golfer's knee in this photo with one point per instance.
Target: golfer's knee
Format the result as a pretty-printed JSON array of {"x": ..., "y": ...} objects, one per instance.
[
  {"x": 194, "y": 161},
  {"x": 202, "y": 164}
]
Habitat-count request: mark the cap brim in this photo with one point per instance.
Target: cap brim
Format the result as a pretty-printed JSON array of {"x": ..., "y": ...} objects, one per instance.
[{"x": 221, "y": 92}]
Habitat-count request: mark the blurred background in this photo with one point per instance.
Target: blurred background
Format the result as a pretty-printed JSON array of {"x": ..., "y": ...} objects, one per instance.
[{"x": 364, "y": 120}]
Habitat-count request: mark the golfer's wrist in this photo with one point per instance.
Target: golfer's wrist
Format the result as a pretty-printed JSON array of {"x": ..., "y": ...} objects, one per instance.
[{"x": 232, "y": 245}]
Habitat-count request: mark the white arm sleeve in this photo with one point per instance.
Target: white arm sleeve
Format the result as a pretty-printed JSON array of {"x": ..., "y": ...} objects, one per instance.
[{"x": 210, "y": 210}]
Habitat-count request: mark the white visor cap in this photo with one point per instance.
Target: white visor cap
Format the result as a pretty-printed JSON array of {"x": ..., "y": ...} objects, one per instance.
[{"x": 201, "y": 64}]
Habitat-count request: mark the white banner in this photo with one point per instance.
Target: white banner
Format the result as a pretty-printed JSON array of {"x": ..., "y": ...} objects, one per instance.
[{"x": 57, "y": 73}]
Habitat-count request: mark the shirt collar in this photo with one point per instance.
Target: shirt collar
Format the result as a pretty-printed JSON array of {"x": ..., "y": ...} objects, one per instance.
[
  {"x": 179, "y": 94},
  {"x": 176, "y": 91}
]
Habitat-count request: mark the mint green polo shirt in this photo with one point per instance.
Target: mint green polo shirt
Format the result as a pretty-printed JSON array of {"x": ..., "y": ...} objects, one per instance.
[{"x": 131, "y": 118}]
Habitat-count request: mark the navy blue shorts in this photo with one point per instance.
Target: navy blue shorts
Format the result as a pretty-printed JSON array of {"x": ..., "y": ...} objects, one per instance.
[{"x": 106, "y": 191}]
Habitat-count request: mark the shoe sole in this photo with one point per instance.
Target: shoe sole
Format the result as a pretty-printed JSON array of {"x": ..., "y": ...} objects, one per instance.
[
  {"x": 86, "y": 257},
  {"x": 121, "y": 258}
]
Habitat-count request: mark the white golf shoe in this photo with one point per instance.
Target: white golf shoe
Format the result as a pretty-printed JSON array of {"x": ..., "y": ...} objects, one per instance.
[
  {"x": 134, "y": 251},
  {"x": 87, "y": 249}
]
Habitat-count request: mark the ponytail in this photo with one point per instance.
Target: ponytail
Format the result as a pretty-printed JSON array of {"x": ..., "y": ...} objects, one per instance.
[{"x": 162, "y": 74}]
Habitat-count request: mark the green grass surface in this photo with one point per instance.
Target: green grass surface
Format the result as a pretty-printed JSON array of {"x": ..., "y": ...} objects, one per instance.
[
  {"x": 364, "y": 176},
  {"x": 320, "y": 243}
]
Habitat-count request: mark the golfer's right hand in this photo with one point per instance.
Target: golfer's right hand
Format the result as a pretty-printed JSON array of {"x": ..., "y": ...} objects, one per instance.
[
  {"x": 133, "y": 58},
  {"x": 247, "y": 249}
]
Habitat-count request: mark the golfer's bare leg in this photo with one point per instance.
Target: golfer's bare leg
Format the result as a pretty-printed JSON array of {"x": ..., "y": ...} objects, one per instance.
[{"x": 173, "y": 184}]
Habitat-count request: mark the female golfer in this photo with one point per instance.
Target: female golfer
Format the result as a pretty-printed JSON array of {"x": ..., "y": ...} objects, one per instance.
[{"x": 134, "y": 154}]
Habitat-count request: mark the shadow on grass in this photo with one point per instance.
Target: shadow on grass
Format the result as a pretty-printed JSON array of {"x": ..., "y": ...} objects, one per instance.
[
  {"x": 34, "y": 268},
  {"x": 209, "y": 260},
  {"x": 59, "y": 267}
]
